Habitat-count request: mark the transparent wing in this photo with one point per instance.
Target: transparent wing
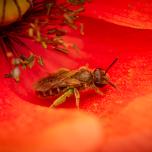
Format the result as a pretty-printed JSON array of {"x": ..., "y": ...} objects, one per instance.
[{"x": 60, "y": 79}]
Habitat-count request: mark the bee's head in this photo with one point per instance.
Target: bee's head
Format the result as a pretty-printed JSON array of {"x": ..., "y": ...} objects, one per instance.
[{"x": 100, "y": 77}]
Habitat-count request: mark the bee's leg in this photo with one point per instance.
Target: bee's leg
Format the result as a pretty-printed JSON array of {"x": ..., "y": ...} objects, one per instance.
[
  {"x": 62, "y": 98},
  {"x": 77, "y": 97},
  {"x": 113, "y": 85},
  {"x": 97, "y": 90}
]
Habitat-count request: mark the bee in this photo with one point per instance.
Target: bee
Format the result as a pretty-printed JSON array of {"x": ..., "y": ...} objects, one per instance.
[
  {"x": 12, "y": 10},
  {"x": 66, "y": 82}
]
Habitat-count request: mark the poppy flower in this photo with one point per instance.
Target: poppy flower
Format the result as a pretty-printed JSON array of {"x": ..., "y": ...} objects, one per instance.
[{"x": 123, "y": 114}]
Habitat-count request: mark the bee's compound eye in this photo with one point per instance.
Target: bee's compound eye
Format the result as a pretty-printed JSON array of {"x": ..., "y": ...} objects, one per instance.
[
  {"x": 12, "y": 10},
  {"x": 99, "y": 77}
]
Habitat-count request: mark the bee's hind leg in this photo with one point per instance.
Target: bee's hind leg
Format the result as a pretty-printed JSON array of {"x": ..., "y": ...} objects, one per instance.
[
  {"x": 62, "y": 98},
  {"x": 77, "y": 97}
]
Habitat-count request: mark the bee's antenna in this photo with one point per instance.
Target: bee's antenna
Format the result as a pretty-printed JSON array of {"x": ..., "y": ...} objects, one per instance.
[{"x": 109, "y": 67}]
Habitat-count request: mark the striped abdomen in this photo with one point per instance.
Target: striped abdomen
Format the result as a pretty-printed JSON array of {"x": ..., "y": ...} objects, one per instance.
[{"x": 51, "y": 92}]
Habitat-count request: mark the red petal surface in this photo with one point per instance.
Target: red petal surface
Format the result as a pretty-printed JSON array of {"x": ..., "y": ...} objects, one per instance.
[
  {"x": 136, "y": 14},
  {"x": 125, "y": 111},
  {"x": 30, "y": 128}
]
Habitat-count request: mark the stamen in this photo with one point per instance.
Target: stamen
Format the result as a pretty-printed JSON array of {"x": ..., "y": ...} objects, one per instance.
[{"x": 43, "y": 22}]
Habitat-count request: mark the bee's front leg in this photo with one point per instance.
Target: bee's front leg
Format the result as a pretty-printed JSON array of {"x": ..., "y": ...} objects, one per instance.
[
  {"x": 97, "y": 89},
  {"x": 62, "y": 98}
]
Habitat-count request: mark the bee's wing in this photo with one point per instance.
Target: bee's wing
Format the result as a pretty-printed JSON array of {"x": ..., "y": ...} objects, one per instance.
[
  {"x": 72, "y": 82},
  {"x": 54, "y": 80}
]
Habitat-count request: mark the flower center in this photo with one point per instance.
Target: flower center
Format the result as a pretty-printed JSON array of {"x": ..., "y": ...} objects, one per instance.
[{"x": 13, "y": 10}]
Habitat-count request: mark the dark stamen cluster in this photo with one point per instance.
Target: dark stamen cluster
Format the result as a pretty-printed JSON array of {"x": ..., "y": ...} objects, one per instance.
[{"x": 43, "y": 23}]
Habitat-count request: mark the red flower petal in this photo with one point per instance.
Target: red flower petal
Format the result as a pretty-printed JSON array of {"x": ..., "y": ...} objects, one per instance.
[
  {"x": 121, "y": 110},
  {"x": 26, "y": 127},
  {"x": 136, "y": 14}
]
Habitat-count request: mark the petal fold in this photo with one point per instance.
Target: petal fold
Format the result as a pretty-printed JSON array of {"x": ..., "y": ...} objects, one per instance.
[{"x": 135, "y": 14}]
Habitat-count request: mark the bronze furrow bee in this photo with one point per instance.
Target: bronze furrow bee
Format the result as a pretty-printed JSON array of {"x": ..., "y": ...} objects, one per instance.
[{"x": 67, "y": 82}]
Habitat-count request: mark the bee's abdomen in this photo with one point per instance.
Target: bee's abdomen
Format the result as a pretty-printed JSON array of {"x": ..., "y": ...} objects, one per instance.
[{"x": 51, "y": 92}]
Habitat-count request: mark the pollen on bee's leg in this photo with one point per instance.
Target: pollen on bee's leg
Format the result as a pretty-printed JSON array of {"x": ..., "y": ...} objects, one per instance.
[{"x": 62, "y": 98}]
